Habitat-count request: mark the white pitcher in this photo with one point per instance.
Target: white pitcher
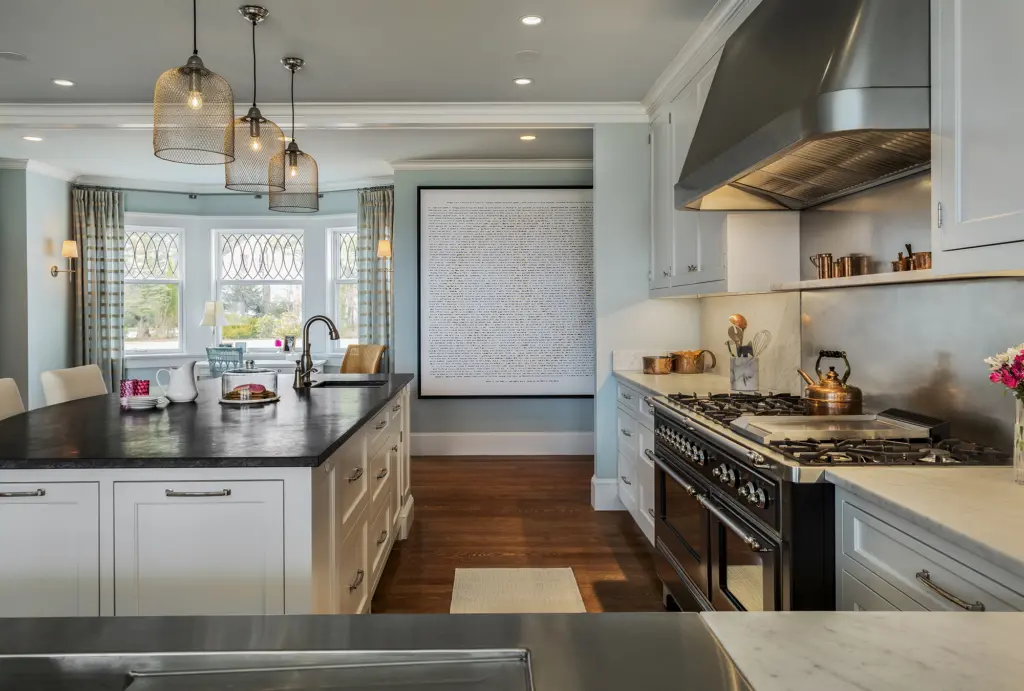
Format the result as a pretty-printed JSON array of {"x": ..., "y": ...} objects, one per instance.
[{"x": 181, "y": 383}]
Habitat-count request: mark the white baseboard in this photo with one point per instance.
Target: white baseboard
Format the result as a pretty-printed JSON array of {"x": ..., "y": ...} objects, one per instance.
[
  {"x": 604, "y": 494},
  {"x": 504, "y": 444}
]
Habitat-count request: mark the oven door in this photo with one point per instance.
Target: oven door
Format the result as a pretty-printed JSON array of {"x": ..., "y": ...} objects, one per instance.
[
  {"x": 682, "y": 530},
  {"x": 745, "y": 562}
]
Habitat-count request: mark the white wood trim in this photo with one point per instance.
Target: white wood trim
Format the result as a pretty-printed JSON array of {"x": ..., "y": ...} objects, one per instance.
[
  {"x": 604, "y": 494},
  {"x": 711, "y": 35},
  {"x": 34, "y": 166},
  {"x": 131, "y": 184},
  {"x": 496, "y": 163},
  {"x": 503, "y": 444},
  {"x": 333, "y": 116},
  {"x": 895, "y": 277}
]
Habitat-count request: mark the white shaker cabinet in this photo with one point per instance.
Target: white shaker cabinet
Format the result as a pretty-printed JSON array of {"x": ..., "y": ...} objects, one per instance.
[
  {"x": 977, "y": 143},
  {"x": 662, "y": 208},
  {"x": 50, "y": 549},
  {"x": 199, "y": 548}
]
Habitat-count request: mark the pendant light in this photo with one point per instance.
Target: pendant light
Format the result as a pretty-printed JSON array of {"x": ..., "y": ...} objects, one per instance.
[
  {"x": 192, "y": 110},
  {"x": 257, "y": 140},
  {"x": 301, "y": 187}
]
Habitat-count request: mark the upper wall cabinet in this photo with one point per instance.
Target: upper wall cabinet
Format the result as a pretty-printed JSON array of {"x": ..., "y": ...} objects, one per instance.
[
  {"x": 695, "y": 252},
  {"x": 978, "y": 143}
]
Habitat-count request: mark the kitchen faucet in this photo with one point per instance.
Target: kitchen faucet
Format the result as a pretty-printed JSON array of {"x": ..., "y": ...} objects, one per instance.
[{"x": 304, "y": 367}]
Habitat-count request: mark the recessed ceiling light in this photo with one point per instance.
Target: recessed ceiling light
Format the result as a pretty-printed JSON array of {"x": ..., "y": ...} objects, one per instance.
[
  {"x": 63, "y": 82},
  {"x": 11, "y": 55},
  {"x": 531, "y": 19},
  {"x": 523, "y": 81},
  {"x": 27, "y": 138},
  {"x": 528, "y": 137}
]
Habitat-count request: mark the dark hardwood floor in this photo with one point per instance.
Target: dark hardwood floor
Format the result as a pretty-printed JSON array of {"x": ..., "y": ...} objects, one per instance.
[{"x": 484, "y": 512}]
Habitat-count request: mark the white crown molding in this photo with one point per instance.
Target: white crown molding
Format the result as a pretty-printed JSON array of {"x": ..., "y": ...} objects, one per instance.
[
  {"x": 710, "y": 36},
  {"x": 33, "y": 166},
  {"x": 496, "y": 164},
  {"x": 42, "y": 116},
  {"x": 131, "y": 184}
]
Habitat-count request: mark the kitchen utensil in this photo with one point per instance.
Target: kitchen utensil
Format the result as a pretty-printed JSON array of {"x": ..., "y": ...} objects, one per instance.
[
  {"x": 910, "y": 252},
  {"x": 823, "y": 263},
  {"x": 921, "y": 260},
  {"x": 738, "y": 320},
  {"x": 732, "y": 348},
  {"x": 736, "y": 336},
  {"x": 861, "y": 264},
  {"x": 658, "y": 364},
  {"x": 831, "y": 395},
  {"x": 760, "y": 342},
  {"x": 181, "y": 383},
  {"x": 838, "y": 270},
  {"x": 745, "y": 351},
  {"x": 691, "y": 361}
]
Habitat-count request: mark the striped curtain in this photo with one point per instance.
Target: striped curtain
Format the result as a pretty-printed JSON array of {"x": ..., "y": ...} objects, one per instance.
[
  {"x": 98, "y": 224},
  {"x": 376, "y": 219}
]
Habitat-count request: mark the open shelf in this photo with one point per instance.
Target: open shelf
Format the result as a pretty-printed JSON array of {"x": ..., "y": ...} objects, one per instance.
[{"x": 895, "y": 277}]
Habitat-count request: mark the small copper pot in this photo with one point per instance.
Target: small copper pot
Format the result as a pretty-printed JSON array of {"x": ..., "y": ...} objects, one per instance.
[
  {"x": 691, "y": 361},
  {"x": 921, "y": 260},
  {"x": 657, "y": 364}
]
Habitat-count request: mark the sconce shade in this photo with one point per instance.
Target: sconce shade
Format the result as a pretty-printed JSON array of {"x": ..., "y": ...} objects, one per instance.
[
  {"x": 384, "y": 249},
  {"x": 213, "y": 314},
  {"x": 69, "y": 250}
]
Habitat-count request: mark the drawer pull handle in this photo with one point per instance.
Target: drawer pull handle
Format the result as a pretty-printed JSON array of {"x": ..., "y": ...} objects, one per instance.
[
  {"x": 394, "y": 449},
  {"x": 382, "y": 474},
  {"x": 626, "y": 433},
  {"x": 360, "y": 574},
  {"x": 651, "y": 511},
  {"x": 396, "y": 408},
  {"x": 926, "y": 579},
  {"x": 750, "y": 540},
  {"x": 356, "y": 475},
  {"x": 649, "y": 454},
  {"x": 14, "y": 495},
  {"x": 383, "y": 537},
  {"x": 625, "y": 480},
  {"x": 221, "y": 493},
  {"x": 627, "y": 396},
  {"x": 382, "y": 424}
]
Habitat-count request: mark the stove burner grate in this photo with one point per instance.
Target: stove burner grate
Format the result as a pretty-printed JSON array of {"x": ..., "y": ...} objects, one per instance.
[
  {"x": 724, "y": 408},
  {"x": 889, "y": 452}
]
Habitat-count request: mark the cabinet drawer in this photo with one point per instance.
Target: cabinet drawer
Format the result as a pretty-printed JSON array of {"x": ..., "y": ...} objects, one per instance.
[
  {"x": 645, "y": 411},
  {"x": 352, "y": 477},
  {"x": 628, "y": 396},
  {"x": 854, "y": 596},
  {"x": 351, "y": 567},
  {"x": 379, "y": 539},
  {"x": 927, "y": 576},
  {"x": 382, "y": 470},
  {"x": 377, "y": 430},
  {"x": 395, "y": 408},
  {"x": 627, "y": 434},
  {"x": 627, "y": 481}
]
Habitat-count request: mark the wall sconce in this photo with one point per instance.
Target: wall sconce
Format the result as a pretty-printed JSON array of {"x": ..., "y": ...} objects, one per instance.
[
  {"x": 69, "y": 250},
  {"x": 384, "y": 249}
]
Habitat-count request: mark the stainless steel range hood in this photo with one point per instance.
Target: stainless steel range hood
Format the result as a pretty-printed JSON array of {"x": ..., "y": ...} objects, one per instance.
[{"x": 813, "y": 100}]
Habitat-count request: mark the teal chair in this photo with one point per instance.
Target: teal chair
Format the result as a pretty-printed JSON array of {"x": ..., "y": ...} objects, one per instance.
[{"x": 223, "y": 358}]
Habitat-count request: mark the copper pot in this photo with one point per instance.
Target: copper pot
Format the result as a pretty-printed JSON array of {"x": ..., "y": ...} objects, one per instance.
[
  {"x": 823, "y": 263},
  {"x": 691, "y": 361},
  {"x": 831, "y": 395},
  {"x": 658, "y": 364},
  {"x": 921, "y": 260}
]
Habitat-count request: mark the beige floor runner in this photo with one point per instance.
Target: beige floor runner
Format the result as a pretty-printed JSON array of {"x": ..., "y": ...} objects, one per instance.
[{"x": 515, "y": 591}]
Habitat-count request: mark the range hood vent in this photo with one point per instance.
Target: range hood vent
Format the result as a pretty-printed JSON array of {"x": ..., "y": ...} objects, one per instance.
[{"x": 813, "y": 101}]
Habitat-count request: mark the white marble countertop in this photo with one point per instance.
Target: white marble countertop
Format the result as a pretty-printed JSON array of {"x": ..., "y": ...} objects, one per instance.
[
  {"x": 665, "y": 384},
  {"x": 876, "y": 651},
  {"x": 978, "y": 509}
]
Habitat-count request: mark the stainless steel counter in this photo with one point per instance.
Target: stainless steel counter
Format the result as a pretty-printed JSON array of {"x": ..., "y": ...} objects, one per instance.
[{"x": 592, "y": 652}]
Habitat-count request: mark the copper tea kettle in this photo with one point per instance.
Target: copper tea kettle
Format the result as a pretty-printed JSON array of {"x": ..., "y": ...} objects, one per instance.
[{"x": 831, "y": 395}]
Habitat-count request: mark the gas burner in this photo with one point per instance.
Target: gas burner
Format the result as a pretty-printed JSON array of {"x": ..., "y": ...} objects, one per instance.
[
  {"x": 726, "y": 407},
  {"x": 889, "y": 452}
]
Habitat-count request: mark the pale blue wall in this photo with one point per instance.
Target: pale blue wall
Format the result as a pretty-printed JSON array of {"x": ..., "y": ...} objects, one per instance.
[
  {"x": 451, "y": 416},
  {"x": 238, "y": 204},
  {"x": 13, "y": 285}
]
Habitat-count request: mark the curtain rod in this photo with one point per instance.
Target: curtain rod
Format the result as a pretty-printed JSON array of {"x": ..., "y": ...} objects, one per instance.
[{"x": 190, "y": 195}]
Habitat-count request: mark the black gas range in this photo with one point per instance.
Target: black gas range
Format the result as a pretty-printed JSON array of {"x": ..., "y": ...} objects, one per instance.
[{"x": 744, "y": 520}]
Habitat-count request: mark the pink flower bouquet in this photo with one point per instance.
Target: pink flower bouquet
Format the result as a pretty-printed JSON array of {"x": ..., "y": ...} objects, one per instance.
[{"x": 1008, "y": 369}]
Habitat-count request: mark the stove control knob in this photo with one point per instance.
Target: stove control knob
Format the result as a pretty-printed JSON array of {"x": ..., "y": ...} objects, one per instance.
[
  {"x": 717, "y": 472},
  {"x": 729, "y": 476},
  {"x": 758, "y": 499},
  {"x": 746, "y": 490}
]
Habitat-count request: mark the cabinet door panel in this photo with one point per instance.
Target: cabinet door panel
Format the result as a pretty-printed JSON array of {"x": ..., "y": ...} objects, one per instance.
[
  {"x": 854, "y": 596},
  {"x": 198, "y": 548},
  {"x": 352, "y": 569},
  {"x": 977, "y": 121},
  {"x": 662, "y": 182},
  {"x": 49, "y": 549}
]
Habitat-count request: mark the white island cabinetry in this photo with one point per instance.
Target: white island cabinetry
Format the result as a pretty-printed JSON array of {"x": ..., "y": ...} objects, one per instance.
[{"x": 216, "y": 540}]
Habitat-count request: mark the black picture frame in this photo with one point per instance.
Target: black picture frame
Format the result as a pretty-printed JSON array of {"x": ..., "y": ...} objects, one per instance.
[{"x": 419, "y": 290}]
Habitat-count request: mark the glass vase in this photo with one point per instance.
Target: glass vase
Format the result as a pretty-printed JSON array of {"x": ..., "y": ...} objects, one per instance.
[{"x": 1018, "y": 443}]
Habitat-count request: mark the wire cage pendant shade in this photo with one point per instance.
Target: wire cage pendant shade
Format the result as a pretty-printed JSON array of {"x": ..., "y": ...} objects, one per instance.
[
  {"x": 301, "y": 192},
  {"x": 192, "y": 113},
  {"x": 257, "y": 139}
]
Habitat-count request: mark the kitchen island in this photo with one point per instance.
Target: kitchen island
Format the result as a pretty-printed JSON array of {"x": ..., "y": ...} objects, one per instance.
[{"x": 202, "y": 508}]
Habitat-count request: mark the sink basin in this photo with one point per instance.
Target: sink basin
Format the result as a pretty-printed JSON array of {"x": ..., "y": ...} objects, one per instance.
[
  {"x": 419, "y": 670},
  {"x": 354, "y": 384}
]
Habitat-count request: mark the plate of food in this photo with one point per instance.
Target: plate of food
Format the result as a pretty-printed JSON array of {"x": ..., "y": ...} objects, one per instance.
[{"x": 249, "y": 394}]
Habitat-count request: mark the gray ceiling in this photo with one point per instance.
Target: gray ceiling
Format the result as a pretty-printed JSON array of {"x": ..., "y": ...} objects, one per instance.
[{"x": 356, "y": 50}]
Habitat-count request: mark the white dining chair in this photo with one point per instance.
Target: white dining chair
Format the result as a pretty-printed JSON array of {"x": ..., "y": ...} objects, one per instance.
[
  {"x": 62, "y": 385},
  {"x": 10, "y": 399}
]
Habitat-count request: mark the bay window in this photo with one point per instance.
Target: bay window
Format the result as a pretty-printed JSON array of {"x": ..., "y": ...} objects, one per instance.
[{"x": 152, "y": 289}]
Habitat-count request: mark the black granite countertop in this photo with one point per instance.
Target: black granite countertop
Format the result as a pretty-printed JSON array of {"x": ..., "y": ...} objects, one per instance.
[{"x": 301, "y": 430}]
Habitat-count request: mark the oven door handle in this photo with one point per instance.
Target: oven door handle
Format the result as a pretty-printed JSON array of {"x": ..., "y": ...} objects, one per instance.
[
  {"x": 751, "y": 541},
  {"x": 690, "y": 489}
]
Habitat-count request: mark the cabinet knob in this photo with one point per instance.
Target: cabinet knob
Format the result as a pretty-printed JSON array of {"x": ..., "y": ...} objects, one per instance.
[{"x": 666, "y": 273}]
